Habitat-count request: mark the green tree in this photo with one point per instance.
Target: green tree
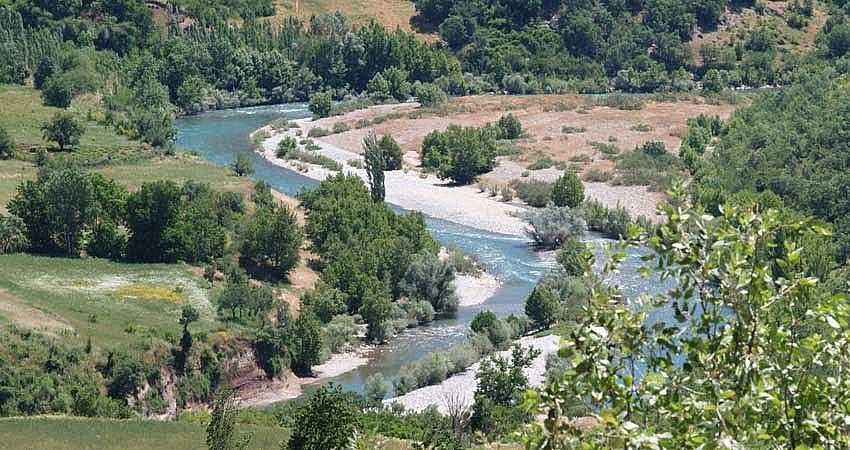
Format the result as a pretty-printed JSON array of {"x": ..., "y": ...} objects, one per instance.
[
  {"x": 57, "y": 91},
  {"x": 329, "y": 420},
  {"x": 391, "y": 151},
  {"x": 509, "y": 127},
  {"x": 242, "y": 165},
  {"x": 305, "y": 341},
  {"x": 150, "y": 211},
  {"x": 7, "y": 145},
  {"x": 13, "y": 235},
  {"x": 188, "y": 315},
  {"x": 325, "y": 301},
  {"x": 459, "y": 154},
  {"x": 376, "y": 388},
  {"x": 575, "y": 257},
  {"x": 321, "y": 104},
  {"x": 757, "y": 350},
  {"x": 376, "y": 309},
  {"x": 431, "y": 279},
  {"x": 399, "y": 87},
  {"x": 430, "y": 95},
  {"x": 221, "y": 431},
  {"x": 63, "y": 129},
  {"x": 543, "y": 307},
  {"x": 375, "y": 166},
  {"x": 57, "y": 208},
  {"x": 568, "y": 190},
  {"x": 273, "y": 238},
  {"x": 501, "y": 381}
]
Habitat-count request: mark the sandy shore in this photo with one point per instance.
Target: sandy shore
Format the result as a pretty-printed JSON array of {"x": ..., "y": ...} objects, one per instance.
[
  {"x": 474, "y": 290},
  {"x": 259, "y": 391},
  {"x": 459, "y": 389},
  {"x": 413, "y": 190}
]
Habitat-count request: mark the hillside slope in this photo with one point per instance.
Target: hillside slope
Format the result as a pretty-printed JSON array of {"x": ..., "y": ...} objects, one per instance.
[{"x": 390, "y": 13}]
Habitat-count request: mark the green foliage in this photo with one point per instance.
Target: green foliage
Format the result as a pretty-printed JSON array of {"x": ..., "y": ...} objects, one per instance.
[
  {"x": 286, "y": 147},
  {"x": 221, "y": 431},
  {"x": 321, "y": 104},
  {"x": 305, "y": 341},
  {"x": 649, "y": 165},
  {"x": 550, "y": 227},
  {"x": 376, "y": 388},
  {"x": 365, "y": 247},
  {"x": 64, "y": 130},
  {"x": 568, "y": 191},
  {"x": 107, "y": 241},
  {"x": 431, "y": 279},
  {"x": 459, "y": 153},
  {"x": 542, "y": 307},
  {"x": 508, "y": 127},
  {"x": 429, "y": 95},
  {"x": 727, "y": 260},
  {"x": 328, "y": 420},
  {"x": 242, "y": 165},
  {"x": 536, "y": 193},
  {"x": 375, "y": 166},
  {"x": 272, "y": 238},
  {"x": 575, "y": 257},
  {"x": 391, "y": 151},
  {"x": 7, "y": 145},
  {"x": 324, "y": 301},
  {"x": 376, "y": 310},
  {"x": 611, "y": 222},
  {"x": 13, "y": 235},
  {"x": 57, "y": 209},
  {"x": 800, "y": 166},
  {"x": 500, "y": 383}
]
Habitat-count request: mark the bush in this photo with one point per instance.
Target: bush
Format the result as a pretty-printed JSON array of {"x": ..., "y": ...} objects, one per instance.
[
  {"x": 536, "y": 193},
  {"x": 376, "y": 388},
  {"x": 7, "y": 145},
  {"x": 542, "y": 163},
  {"x": 64, "y": 129},
  {"x": 286, "y": 147},
  {"x": 57, "y": 92},
  {"x": 13, "y": 235},
  {"x": 341, "y": 127},
  {"x": 552, "y": 226},
  {"x": 613, "y": 223},
  {"x": 430, "y": 279},
  {"x": 339, "y": 333},
  {"x": 391, "y": 151},
  {"x": 649, "y": 165},
  {"x": 430, "y": 95},
  {"x": 509, "y": 127},
  {"x": 329, "y": 420},
  {"x": 568, "y": 191},
  {"x": 459, "y": 153},
  {"x": 107, "y": 241},
  {"x": 575, "y": 258},
  {"x": 568, "y": 129},
  {"x": 321, "y": 104},
  {"x": 543, "y": 307},
  {"x": 272, "y": 238},
  {"x": 317, "y": 132},
  {"x": 326, "y": 302},
  {"x": 242, "y": 165}
]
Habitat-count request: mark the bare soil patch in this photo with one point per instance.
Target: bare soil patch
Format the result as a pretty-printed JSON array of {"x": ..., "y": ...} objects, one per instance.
[
  {"x": 570, "y": 130},
  {"x": 22, "y": 315}
]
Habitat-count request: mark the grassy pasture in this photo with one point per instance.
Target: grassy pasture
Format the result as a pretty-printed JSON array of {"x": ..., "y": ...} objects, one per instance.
[{"x": 44, "y": 433}]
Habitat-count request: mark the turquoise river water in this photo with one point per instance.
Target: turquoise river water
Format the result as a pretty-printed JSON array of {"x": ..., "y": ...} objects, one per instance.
[{"x": 219, "y": 136}]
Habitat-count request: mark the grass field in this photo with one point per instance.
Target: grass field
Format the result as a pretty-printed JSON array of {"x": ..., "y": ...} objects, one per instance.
[
  {"x": 111, "y": 303},
  {"x": 23, "y": 114},
  {"x": 50, "y": 433}
]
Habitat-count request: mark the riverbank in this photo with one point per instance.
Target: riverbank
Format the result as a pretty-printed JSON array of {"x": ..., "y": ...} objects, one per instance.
[
  {"x": 409, "y": 189},
  {"x": 458, "y": 390}
]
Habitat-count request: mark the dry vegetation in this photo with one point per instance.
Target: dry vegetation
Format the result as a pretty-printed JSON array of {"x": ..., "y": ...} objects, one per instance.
[
  {"x": 390, "y": 13},
  {"x": 589, "y": 128}
]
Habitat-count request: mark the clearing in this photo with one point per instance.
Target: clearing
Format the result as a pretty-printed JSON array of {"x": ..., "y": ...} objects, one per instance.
[{"x": 567, "y": 131}]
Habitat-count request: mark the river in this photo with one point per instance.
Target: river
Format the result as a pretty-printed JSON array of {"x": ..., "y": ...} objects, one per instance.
[{"x": 219, "y": 136}]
